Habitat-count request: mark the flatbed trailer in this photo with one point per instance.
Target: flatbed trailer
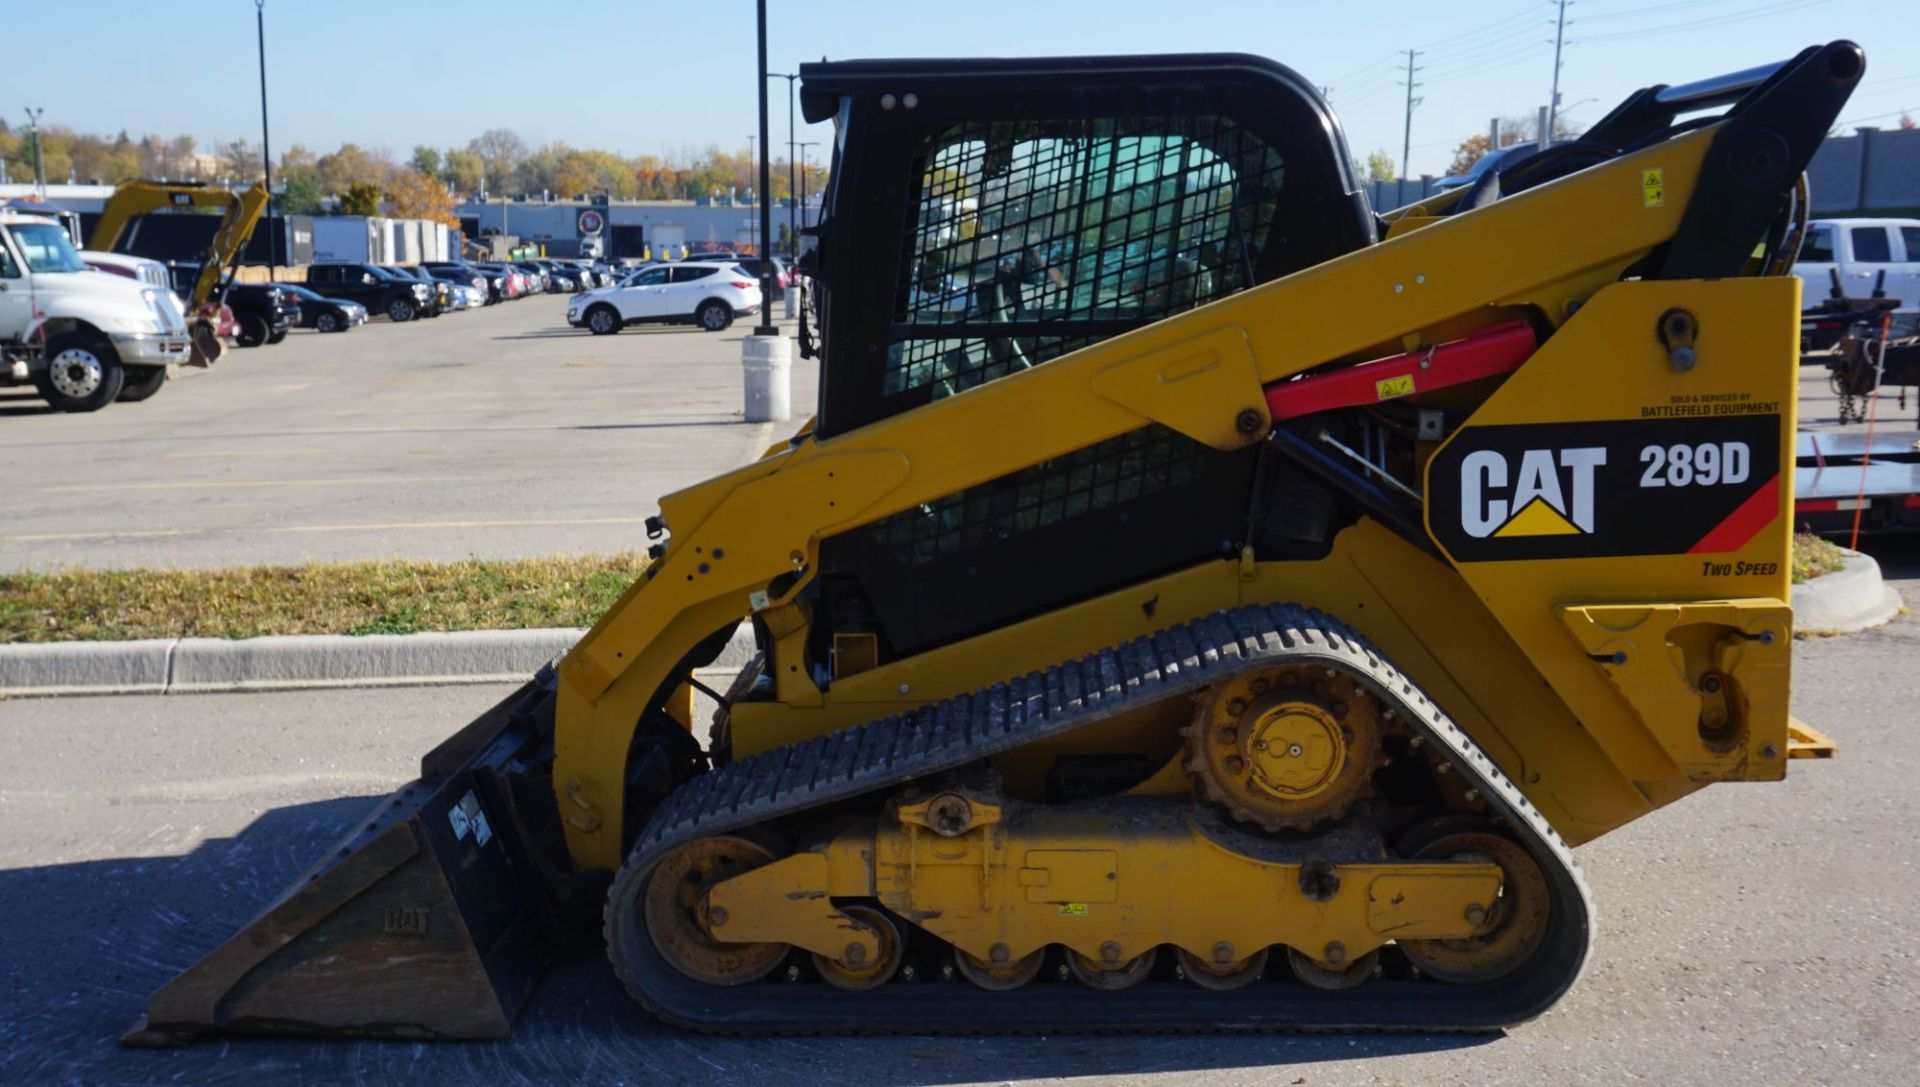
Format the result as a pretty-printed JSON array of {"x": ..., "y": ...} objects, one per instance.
[{"x": 1838, "y": 473}]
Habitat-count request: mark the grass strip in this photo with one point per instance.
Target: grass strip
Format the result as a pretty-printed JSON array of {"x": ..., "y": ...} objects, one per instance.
[
  {"x": 385, "y": 597},
  {"x": 1814, "y": 557}
]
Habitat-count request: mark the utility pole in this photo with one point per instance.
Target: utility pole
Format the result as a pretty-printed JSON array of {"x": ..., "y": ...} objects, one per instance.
[
  {"x": 1553, "y": 98},
  {"x": 33, "y": 128},
  {"x": 1406, "y": 140},
  {"x": 266, "y": 145}
]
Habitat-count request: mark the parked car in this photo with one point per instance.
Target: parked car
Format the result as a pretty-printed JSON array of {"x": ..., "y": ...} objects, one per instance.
[
  {"x": 1867, "y": 254},
  {"x": 561, "y": 278},
  {"x": 782, "y": 278},
  {"x": 707, "y": 294},
  {"x": 262, "y": 312},
  {"x": 401, "y": 299},
  {"x": 510, "y": 281},
  {"x": 536, "y": 276},
  {"x": 441, "y": 298},
  {"x": 462, "y": 275},
  {"x": 323, "y": 314}
]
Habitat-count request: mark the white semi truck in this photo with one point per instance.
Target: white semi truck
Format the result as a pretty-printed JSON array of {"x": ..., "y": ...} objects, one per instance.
[{"x": 82, "y": 338}]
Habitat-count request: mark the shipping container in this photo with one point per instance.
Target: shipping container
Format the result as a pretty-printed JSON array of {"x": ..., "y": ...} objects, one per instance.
[{"x": 343, "y": 238}]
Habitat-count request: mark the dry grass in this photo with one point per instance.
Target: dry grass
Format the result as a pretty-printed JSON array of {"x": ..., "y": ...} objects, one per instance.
[
  {"x": 1813, "y": 557},
  {"x": 396, "y": 597}
]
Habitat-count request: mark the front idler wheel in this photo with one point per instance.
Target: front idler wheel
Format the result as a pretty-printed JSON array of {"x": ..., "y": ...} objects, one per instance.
[{"x": 674, "y": 909}]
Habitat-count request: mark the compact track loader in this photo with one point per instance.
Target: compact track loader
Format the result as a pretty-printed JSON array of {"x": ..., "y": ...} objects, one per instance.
[{"x": 1198, "y": 603}]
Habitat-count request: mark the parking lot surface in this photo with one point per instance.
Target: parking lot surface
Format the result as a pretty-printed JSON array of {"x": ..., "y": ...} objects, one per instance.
[
  {"x": 494, "y": 433},
  {"x": 1753, "y": 933}
]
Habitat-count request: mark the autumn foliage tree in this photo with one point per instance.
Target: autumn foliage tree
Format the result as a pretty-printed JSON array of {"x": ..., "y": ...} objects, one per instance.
[{"x": 413, "y": 194}]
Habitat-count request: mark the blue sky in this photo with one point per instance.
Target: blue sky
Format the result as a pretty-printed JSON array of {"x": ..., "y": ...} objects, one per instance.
[{"x": 667, "y": 75}]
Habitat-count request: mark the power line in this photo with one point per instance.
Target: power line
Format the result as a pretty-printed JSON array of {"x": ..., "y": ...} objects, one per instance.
[
  {"x": 1653, "y": 9},
  {"x": 1780, "y": 7},
  {"x": 1876, "y": 116}
]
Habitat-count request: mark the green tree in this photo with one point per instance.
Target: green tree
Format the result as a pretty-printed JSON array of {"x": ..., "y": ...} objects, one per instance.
[
  {"x": 240, "y": 160},
  {"x": 1380, "y": 167},
  {"x": 466, "y": 170},
  {"x": 361, "y": 198},
  {"x": 301, "y": 195},
  {"x": 426, "y": 160}
]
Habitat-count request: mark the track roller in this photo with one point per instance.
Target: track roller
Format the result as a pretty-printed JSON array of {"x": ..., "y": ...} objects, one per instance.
[
  {"x": 1325, "y": 974},
  {"x": 1222, "y": 973},
  {"x": 1110, "y": 974},
  {"x": 1003, "y": 976}
]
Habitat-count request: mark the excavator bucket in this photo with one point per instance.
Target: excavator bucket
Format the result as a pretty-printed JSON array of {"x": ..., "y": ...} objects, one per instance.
[{"x": 425, "y": 922}]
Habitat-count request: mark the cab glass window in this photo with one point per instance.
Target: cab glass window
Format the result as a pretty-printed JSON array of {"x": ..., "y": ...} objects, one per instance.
[
  {"x": 1910, "y": 237},
  {"x": 1034, "y": 239},
  {"x": 1818, "y": 246},
  {"x": 8, "y": 269},
  {"x": 1871, "y": 245}
]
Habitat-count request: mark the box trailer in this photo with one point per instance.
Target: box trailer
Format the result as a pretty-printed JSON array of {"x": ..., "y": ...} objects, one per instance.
[{"x": 348, "y": 238}]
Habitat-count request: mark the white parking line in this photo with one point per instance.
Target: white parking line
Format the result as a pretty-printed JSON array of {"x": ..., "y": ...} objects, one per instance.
[
  {"x": 216, "y": 484},
  {"x": 542, "y": 522}
]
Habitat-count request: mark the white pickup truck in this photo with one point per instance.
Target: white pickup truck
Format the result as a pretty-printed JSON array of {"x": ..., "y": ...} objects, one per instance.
[
  {"x": 1866, "y": 253},
  {"x": 81, "y": 337}
]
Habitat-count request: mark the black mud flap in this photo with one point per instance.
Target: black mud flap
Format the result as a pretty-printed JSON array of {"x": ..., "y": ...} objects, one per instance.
[{"x": 433, "y": 919}]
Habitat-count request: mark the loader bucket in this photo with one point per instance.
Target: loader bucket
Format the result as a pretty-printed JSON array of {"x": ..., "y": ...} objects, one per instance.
[{"x": 429, "y": 920}]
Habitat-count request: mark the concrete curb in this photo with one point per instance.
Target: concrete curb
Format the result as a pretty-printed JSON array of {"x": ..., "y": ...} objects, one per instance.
[
  {"x": 1851, "y": 598},
  {"x": 297, "y": 662}
]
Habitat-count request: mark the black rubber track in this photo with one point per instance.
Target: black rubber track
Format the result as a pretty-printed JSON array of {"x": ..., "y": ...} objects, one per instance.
[{"x": 886, "y": 753}]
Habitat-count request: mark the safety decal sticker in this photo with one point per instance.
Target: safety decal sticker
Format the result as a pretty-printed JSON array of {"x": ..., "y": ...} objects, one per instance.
[
  {"x": 1653, "y": 187},
  {"x": 1388, "y": 388},
  {"x": 1073, "y": 909},
  {"x": 1578, "y": 490}
]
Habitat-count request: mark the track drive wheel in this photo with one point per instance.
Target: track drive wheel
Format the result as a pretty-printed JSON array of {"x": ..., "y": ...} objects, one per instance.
[
  {"x": 857, "y": 977},
  {"x": 999, "y": 977},
  {"x": 1322, "y": 974},
  {"x": 674, "y": 902},
  {"x": 1513, "y": 925},
  {"x": 1220, "y": 976},
  {"x": 1285, "y": 748},
  {"x": 1112, "y": 975}
]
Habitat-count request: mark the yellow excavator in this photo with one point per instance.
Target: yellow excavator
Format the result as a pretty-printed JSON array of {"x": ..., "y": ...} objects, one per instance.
[
  {"x": 241, "y": 213},
  {"x": 1199, "y": 602}
]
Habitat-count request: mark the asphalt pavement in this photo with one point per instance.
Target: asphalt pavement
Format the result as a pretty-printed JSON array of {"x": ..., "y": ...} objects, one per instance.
[
  {"x": 1751, "y": 933},
  {"x": 496, "y": 433}
]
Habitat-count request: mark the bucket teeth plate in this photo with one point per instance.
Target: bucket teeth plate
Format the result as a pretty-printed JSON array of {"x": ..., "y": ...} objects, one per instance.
[{"x": 422, "y": 923}]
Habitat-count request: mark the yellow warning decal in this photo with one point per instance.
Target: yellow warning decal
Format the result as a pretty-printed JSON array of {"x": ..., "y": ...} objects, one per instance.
[
  {"x": 1390, "y": 387},
  {"x": 1073, "y": 909},
  {"x": 1653, "y": 187}
]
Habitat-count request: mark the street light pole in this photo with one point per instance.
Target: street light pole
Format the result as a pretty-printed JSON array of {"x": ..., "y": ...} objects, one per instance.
[
  {"x": 766, "y": 326},
  {"x": 803, "y": 191},
  {"x": 752, "y": 238},
  {"x": 266, "y": 145},
  {"x": 793, "y": 229},
  {"x": 33, "y": 129}
]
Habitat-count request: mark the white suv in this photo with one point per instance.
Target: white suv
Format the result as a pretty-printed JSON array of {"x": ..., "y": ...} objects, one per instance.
[{"x": 705, "y": 293}]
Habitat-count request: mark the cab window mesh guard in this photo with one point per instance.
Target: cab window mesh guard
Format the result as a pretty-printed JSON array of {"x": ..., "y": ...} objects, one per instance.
[{"x": 1034, "y": 239}]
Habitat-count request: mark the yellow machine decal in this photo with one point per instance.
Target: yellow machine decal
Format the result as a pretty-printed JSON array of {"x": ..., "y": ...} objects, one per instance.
[
  {"x": 1653, "y": 187},
  {"x": 1539, "y": 518},
  {"x": 1388, "y": 388}
]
